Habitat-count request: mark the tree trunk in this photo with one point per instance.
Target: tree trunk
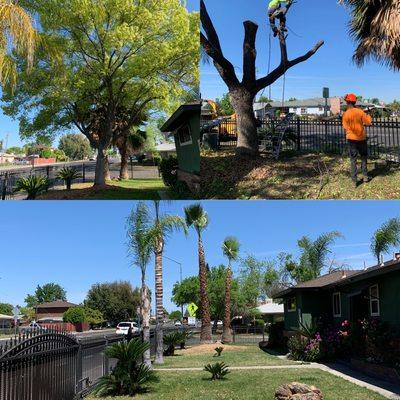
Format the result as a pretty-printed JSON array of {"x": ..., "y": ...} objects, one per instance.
[
  {"x": 101, "y": 167},
  {"x": 205, "y": 333},
  {"x": 124, "y": 170},
  {"x": 227, "y": 332},
  {"x": 242, "y": 102},
  {"x": 145, "y": 321},
  {"x": 159, "y": 305}
]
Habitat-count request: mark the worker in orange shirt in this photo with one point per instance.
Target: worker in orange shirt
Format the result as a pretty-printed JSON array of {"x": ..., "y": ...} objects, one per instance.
[{"x": 354, "y": 122}]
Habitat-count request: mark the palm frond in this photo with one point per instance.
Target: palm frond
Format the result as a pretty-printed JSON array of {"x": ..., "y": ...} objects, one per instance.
[
  {"x": 196, "y": 216},
  {"x": 230, "y": 248},
  {"x": 386, "y": 237}
]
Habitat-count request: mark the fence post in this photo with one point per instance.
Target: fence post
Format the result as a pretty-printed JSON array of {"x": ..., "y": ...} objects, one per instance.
[
  {"x": 298, "y": 140},
  {"x": 83, "y": 173},
  {"x": 234, "y": 335},
  {"x": 106, "y": 365},
  {"x": 4, "y": 188},
  {"x": 79, "y": 361}
]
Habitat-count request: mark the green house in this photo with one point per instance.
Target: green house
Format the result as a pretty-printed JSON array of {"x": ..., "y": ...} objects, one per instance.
[
  {"x": 345, "y": 295},
  {"x": 184, "y": 125}
]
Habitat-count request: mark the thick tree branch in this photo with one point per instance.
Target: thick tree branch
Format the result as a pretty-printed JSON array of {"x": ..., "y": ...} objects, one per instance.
[{"x": 249, "y": 52}]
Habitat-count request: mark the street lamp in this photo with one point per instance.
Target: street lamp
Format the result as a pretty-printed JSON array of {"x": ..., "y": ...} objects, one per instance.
[{"x": 180, "y": 274}]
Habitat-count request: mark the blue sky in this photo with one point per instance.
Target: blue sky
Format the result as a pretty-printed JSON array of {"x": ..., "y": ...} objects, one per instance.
[
  {"x": 77, "y": 244},
  {"x": 10, "y": 127},
  {"x": 309, "y": 21}
]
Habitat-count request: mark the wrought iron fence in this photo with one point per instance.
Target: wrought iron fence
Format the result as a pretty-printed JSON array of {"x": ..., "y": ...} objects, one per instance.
[{"x": 325, "y": 136}]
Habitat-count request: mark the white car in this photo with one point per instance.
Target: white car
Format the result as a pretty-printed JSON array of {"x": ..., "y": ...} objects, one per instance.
[
  {"x": 123, "y": 328},
  {"x": 219, "y": 323},
  {"x": 178, "y": 323}
]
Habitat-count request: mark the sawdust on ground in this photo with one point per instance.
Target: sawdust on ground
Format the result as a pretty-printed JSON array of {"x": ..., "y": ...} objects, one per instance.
[{"x": 206, "y": 348}]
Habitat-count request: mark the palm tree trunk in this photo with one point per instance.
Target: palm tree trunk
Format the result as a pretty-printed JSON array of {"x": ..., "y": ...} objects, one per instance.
[
  {"x": 227, "y": 332},
  {"x": 159, "y": 305},
  {"x": 145, "y": 320},
  {"x": 205, "y": 333}
]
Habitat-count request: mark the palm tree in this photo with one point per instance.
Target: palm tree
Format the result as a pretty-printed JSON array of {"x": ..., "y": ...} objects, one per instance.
[
  {"x": 163, "y": 226},
  {"x": 140, "y": 246},
  {"x": 387, "y": 236},
  {"x": 17, "y": 34},
  {"x": 376, "y": 29},
  {"x": 230, "y": 249},
  {"x": 198, "y": 219}
]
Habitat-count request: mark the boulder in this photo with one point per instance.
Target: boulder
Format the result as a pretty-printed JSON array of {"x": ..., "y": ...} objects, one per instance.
[{"x": 297, "y": 391}]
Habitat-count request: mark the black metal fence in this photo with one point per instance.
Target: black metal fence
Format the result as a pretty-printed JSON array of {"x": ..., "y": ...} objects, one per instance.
[
  {"x": 52, "y": 365},
  {"x": 326, "y": 136}
]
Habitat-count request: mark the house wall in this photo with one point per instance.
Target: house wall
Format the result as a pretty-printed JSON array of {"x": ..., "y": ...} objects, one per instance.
[
  {"x": 50, "y": 312},
  {"x": 189, "y": 154}
]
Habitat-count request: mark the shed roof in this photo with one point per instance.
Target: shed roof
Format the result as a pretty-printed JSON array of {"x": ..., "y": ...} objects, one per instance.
[
  {"x": 56, "y": 304},
  {"x": 270, "y": 308},
  {"x": 182, "y": 112}
]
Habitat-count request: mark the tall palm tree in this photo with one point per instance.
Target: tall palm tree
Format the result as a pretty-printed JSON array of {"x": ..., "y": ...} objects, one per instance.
[
  {"x": 387, "y": 236},
  {"x": 16, "y": 34},
  {"x": 163, "y": 226},
  {"x": 230, "y": 249},
  {"x": 197, "y": 218},
  {"x": 375, "y": 26},
  {"x": 140, "y": 246}
]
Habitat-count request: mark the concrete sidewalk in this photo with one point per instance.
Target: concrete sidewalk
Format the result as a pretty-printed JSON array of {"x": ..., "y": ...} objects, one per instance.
[{"x": 385, "y": 389}]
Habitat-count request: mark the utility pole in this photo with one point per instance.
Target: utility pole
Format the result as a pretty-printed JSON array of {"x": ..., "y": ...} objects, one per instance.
[{"x": 180, "y": 274}]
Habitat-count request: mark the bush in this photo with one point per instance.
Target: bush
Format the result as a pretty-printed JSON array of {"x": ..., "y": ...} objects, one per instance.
[
  {"x": 33, "y": 185},
  {"x": 130, "y": 375},
  {"x": 276, "y": 340},
  {"x": 75, "y": 315},
  {"x": 259, "y": 322},
  {"x": 46, "y": 153},
  {"x": 304, "y": 349},
  {"x": 68, "y": 174},
  {"x": 218, "y": 351},
  {"x": 218, "y": 371},
  {"x": 168, "y": 168}
]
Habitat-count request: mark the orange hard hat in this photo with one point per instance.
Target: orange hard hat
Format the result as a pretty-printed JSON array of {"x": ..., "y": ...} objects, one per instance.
[{"x": 351, "y": 98}]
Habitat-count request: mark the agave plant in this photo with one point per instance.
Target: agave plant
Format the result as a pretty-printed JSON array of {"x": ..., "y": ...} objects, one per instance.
[
  {"x": 218, "y": 370},
  {"x": 218, "y": 351},
  {"x": 33, "y": 185},
  {"x": 68, "y": 174},
  {"x": 174, "y": 339},
  {"x": 130, "y": 375}
]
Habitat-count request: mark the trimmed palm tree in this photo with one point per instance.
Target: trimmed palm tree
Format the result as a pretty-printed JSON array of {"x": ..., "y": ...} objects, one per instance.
[
  {"x": 33, "y": 185},
  {"x": 386, "y": 237},
  {"x": 68, "y": 174},
  {"x": 163, "y": 226},
  {"x": 230, "y": 249},
  {"x": 197, "y": 218},
  {"x": 376, "y": 29},
  {"x": 18, "y": 35},
  {"x": 140, "y": 246}
]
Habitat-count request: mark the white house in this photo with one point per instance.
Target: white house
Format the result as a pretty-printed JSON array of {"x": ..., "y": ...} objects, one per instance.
[{"x": 272, "y": 311}]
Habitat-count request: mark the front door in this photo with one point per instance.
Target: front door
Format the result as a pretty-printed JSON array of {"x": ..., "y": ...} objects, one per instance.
[{"x": 359, "y": 307}]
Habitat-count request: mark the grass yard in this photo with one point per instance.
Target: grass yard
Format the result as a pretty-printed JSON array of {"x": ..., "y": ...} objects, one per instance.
[
  {"x": 300, "y": 176},
  {"x": 249, "y": 385},
  {"x": 238, "y": 355},
  {"x": 137, "y": 189}
]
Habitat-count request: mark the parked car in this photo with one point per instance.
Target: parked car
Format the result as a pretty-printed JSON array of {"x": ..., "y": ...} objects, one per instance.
[
  {"x": 219, "y": 324},
  {"x": 123, "y": 328},
  {"x": 178, "y": 323},
  {"x": 32, "y": 327}
]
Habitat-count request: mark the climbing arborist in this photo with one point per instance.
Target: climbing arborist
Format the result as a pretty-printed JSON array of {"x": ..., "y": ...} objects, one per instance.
[
  {"x": 277, "y": 11},
  {"x": 354, "y": 122}
]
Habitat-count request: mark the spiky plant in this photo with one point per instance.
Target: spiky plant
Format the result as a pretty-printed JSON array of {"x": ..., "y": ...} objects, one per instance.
[
  {"x": 18, "y": 35},
  {"x": 218, "y": 351},
  {"x": 197, "y": 218},
  {"x": 376, "y": 29},
  {"x": 68, "y": 174},
  {"x": 218, "y": 371},
  {"x": 130, "y": 376},
  {"x": 386, "y": 237},
  {"x": 33, "y": 185},
  {"x": 171, "y": 341}
]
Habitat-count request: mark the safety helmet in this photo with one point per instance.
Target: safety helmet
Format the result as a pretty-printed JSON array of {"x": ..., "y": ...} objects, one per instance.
[{"x": 350, "y": 98}]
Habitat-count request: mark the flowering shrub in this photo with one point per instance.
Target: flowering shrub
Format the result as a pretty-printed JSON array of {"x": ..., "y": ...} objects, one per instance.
[{"x": 305, "y": 349}]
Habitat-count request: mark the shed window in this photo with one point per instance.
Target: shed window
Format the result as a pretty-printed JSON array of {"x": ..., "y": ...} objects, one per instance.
[
  {"x": 291, "y": 304},
  {"x": 337, "y": 306},
  {"x": 184, "y": 135},
  {"x": 374, "y": 301}
]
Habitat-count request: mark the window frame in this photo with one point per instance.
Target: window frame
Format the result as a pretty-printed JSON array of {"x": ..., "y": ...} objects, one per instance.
[
  {"x": 375, "y": 299},
  {"x": 337, "y": 295},
  {"x": 295, "y": 304},
  {"x": 189, "y": 142}
]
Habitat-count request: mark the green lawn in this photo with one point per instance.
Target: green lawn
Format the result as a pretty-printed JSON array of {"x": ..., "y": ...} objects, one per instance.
[
  {"x": 245, "y": 356},
  {"x": 249, "y": 385},
  {"x": 294, "y": 176},
  {"x": 137, "y": 189}
]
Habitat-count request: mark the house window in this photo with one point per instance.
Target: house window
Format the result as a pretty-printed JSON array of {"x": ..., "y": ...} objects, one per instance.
[
  {"x": 184, "y": 135},
  {"x": 291, "y": 304},
  {"x": 374, "y": 301},
  {"x": 337, "y": 306}
]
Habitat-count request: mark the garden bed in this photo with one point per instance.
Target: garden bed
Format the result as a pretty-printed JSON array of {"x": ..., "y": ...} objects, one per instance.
[{"x": 378, "y": 371}]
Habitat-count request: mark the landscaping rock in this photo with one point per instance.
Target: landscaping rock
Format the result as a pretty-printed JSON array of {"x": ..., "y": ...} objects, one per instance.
[{"x": 297, "y": 391}]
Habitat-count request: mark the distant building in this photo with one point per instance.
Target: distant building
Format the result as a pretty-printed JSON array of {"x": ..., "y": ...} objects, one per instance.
[
  {"x": 166, "y": 149},
  {"x": 271, "y": 312},
  {"x": 6, "y": 158},
  {"x": 6, "y": 321},
  {"x": 53, "y": 311}
]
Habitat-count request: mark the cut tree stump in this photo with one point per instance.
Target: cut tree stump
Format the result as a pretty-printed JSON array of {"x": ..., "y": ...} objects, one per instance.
[{"x": 297, "y": 391}]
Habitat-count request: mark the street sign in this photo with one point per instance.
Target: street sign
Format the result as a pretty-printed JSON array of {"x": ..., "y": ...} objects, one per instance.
[
  {"x": 192, "y": 308},
  {"x": 16, "y": 311},
  {"x": 325, "y": 93}
]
